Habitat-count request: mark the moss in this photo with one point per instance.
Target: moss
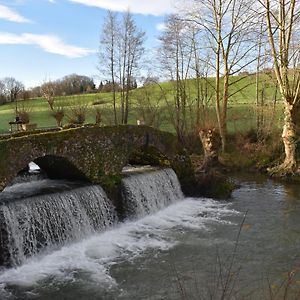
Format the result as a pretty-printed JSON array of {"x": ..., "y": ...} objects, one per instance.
[
  {"x": 110, "y": 182},
  {"x": 214, "y": 185},
  {"x": 222, "y": 189},
  {"x": 111, "y": 185},
  {"x": 149, "y": 156}
]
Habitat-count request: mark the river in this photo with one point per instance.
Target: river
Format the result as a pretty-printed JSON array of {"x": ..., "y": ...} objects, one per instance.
[{"x": 190, "y": 249}]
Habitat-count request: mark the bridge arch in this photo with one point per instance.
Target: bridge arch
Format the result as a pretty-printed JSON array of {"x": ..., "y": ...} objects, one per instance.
[
  {"x": 91, "y": 153},
  {"x": 58, "y": 167}
]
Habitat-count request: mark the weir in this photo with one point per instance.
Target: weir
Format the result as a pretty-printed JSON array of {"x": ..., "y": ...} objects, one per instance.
[
  {"x": 146, "y": 193},
  {"x": 34, "y": 223}
]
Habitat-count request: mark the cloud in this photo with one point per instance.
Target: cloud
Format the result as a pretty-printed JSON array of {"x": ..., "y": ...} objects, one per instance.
[
  {"x": 49, "y": 43},
  {"x": 145, "y": 7},
  {"x": 8, "y": 14}
]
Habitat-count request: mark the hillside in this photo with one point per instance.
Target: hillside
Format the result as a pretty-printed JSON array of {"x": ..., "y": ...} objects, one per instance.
[{"x": 153, "y": 99}]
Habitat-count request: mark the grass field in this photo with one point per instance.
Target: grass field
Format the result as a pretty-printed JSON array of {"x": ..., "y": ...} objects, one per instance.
[{"x": 241, "y": 112}]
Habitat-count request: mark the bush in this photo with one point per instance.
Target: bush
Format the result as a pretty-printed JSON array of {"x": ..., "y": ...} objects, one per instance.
[
  {"x": 58, "y": 114},
  {"x": 24, "y": 117},
  {"x": 77, "y": 114},
  {"x": 24, "y": 114}
]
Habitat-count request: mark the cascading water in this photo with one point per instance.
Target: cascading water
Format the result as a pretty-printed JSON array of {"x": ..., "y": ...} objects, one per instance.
[
  {"x": 146, "y": 193},
  {"x": 33, "y": 216},
  {"x": 85, "y": 262},
  {"x": 34, "y": 223}
]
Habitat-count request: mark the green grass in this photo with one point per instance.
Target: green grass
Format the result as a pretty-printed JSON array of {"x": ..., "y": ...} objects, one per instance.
[{"x": 241, "y": 114}]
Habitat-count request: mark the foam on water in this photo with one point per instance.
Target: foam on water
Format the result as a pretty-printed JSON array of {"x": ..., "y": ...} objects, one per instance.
[
  {"x": 35, "y": 223},
  {"x": 24, "y": 189},
  {"x": 94, "y": 256}
]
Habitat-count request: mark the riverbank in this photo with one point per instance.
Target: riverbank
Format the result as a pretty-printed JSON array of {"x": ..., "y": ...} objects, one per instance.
[{"x": 244, "y": 153}]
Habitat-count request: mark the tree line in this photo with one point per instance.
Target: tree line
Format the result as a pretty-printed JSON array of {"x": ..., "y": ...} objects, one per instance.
[
  {"x": 205, "y": 46},
  {"x": 10, "y": 89},
  {"x": 73, "y": 84}
]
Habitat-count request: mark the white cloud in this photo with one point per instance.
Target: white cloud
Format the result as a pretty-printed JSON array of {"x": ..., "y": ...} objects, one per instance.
[
  {"x": 8, "y": 14},
  {"x": 52, "y": 1},
  {"x": 161, "y": 26},
  {"x": 145, "y": 7},
  {"x": 49, "y": 43}
]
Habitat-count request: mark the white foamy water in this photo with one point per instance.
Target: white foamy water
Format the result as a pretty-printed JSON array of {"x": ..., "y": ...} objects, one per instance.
[
  {"x": 54, "y": 219},
  {"x": 94, "y": 256},
  {"x": 149, "y": 192},
  {"x": 27, "y": 189}
]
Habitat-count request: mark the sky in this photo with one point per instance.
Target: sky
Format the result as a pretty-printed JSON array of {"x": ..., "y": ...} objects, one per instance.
[{"x": 48, "y": 39}]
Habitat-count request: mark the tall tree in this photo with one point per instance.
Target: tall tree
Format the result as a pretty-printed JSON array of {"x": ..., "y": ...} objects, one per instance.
[
  {"x": 13, "y": 88},
  {"x": 228, "y": 25},
  {"x": 121, "y": 50},
  {"x": 108, "y": 53},
  {"x": 131, "y": 49},
  {"x": 282, "y": 18},
  {"x": 176, "y": 55}
]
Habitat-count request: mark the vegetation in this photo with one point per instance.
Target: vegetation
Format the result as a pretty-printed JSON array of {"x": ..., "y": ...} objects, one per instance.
[
  {"x": 150, "y": 103},
  {"x": 243, "y": 80}
]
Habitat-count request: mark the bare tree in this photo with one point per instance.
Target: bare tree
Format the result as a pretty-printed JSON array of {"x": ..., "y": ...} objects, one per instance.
[
  {"x": 48, "y": 92},
  {"x": 108, "y": 53},
  {"x": 13, "y": 88},
  {"x": 201, "y": 70},
  {"x": 150, "y": 104},
  {"x": 121, "y": 49},
  {"x": 176, "y": 53},
  {"x": 131, "y": 49},
  {"x": 282, "y": 22},
  {"x": 186, "y": 64},
  {"x": 228, "y": 25}
]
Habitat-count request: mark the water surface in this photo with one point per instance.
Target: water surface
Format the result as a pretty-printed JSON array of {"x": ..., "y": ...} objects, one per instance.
[{"x": 183, "y": 251}]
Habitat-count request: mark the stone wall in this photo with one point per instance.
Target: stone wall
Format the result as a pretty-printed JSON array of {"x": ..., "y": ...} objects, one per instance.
[{"x": 96, "y": 154}]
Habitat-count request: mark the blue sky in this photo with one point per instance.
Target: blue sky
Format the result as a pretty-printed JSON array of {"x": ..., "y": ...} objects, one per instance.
[{"x": 47, "y": 39}]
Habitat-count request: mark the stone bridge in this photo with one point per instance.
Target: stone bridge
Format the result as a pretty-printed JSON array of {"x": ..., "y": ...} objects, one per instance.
[{"x": 95, "y": 154}]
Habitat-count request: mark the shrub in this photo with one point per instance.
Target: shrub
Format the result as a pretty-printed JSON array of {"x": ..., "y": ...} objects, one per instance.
[
  {"x": 24, "y": 117},
  {"x": 24, "y": 114},
  {"x": 58, "y": 114},
  {"x": 77, "y": 114}
]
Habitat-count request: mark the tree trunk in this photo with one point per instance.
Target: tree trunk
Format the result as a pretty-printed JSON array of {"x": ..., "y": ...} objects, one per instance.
[
  {"x": 223, "y": 125},
  {"x": 289, "y": 137},
  {"x": 211, "y": 142}
]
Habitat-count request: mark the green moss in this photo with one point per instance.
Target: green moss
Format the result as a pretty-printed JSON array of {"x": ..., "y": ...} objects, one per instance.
[
  {"x": 149, "y": 156},
  {"x": 222, "y": 189},
  {"x": 110, "y": 182}
]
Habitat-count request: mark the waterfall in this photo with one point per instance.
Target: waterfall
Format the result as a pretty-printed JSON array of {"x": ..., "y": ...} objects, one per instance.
[
  {"x": 146, "y": 193},
  {"x": 30, "y": 224},
  {"x": 44, "y": 214}
]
